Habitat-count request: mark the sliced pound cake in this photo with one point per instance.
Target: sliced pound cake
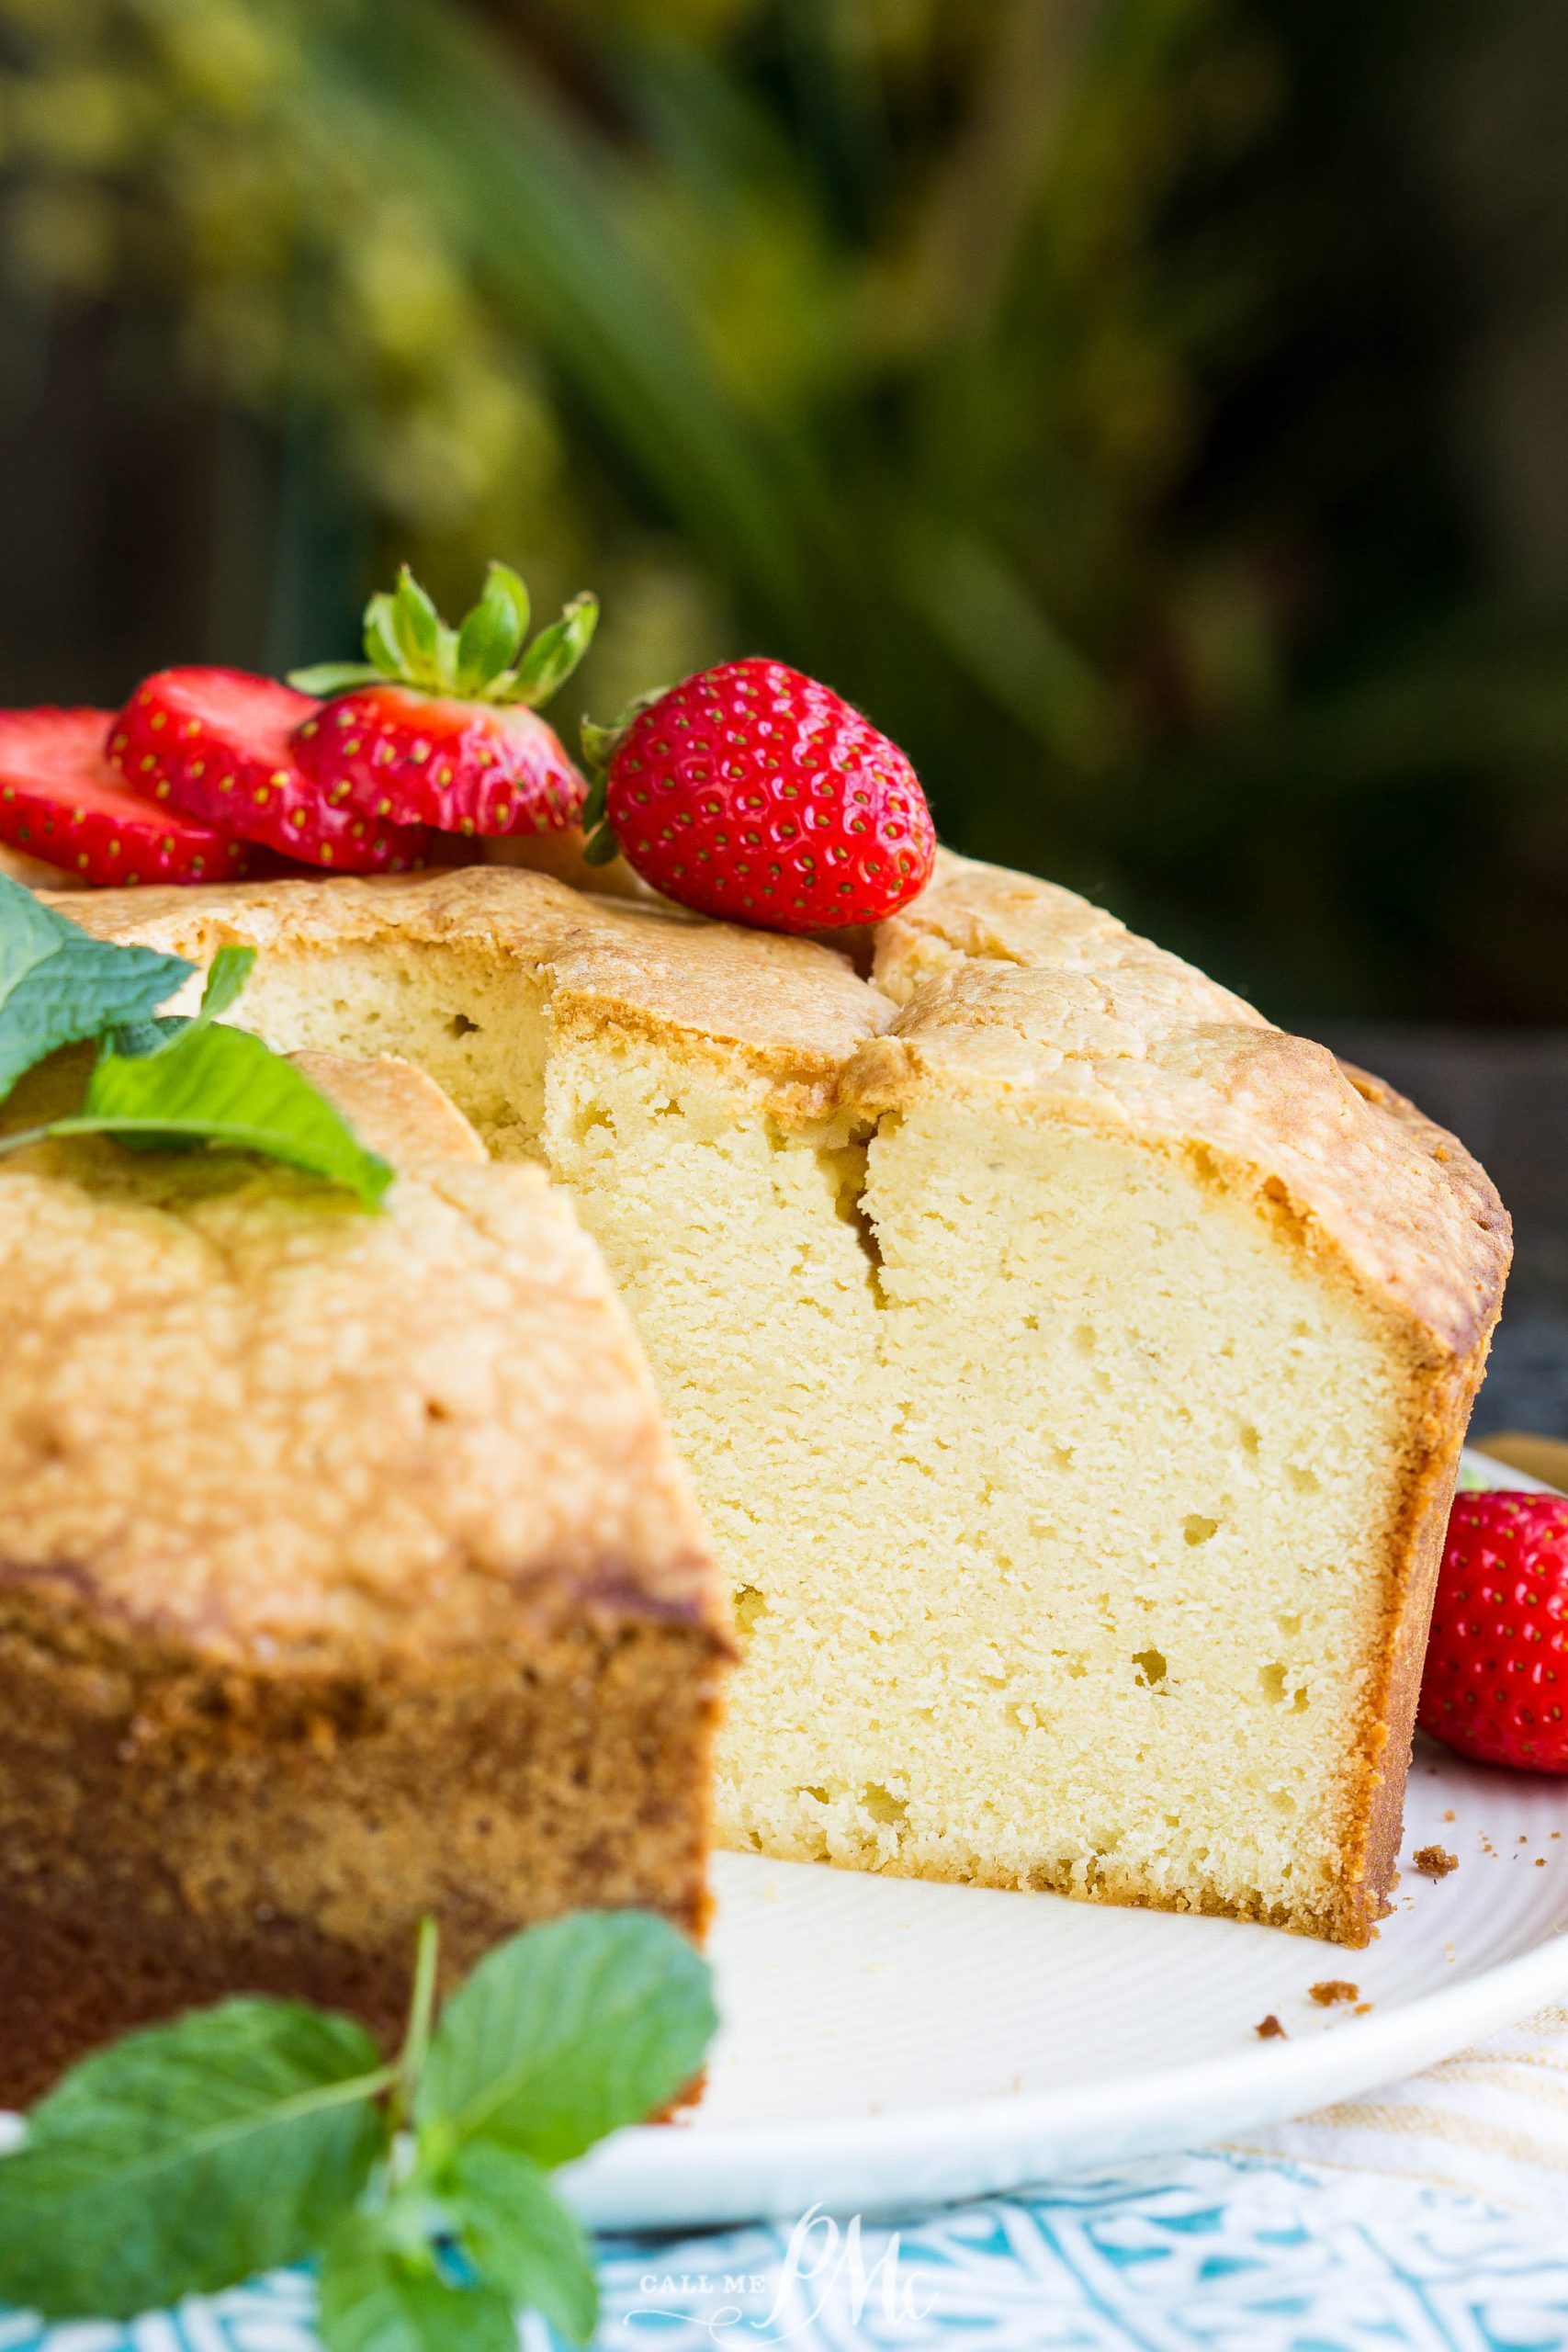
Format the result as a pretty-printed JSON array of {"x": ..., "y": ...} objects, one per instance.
[
  {"x": 346, "y": 1573},
  {"x": 1072, "y": 1367}
]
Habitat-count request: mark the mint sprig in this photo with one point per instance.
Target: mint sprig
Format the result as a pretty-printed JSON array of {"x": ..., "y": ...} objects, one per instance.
[
  {"x": 189, "y": 2157},
  {"x": 487, "y": 658},
  {"x": 161, "y": 1083}
]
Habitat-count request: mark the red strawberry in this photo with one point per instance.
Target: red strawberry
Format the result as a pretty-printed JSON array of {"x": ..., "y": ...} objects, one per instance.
[
  {"x": 215, "y": 744},
  {"x": 753, "y": 793},
  {"x": 468, "y": 767},
  {"x": 440, "y": 725},
  {"x": 1495, "y": 1684},
  {"x": 60, "y": 800}
]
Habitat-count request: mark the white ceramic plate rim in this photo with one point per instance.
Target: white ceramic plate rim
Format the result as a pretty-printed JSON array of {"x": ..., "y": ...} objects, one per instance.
[{"x": 686, "y": 2177}]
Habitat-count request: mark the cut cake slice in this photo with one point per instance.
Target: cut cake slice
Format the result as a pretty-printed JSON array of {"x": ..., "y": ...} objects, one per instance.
[{"x": 1072, "y": 1367}]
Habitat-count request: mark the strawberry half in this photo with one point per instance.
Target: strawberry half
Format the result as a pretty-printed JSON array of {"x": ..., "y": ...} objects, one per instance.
[
  {"x": 1495, "y": 1684},
  {"x": 755, "y": 794},
  {"x": 61, "y": 801},
  {"x": 431, "y": 760},
  {"x": 440, "y": 725},
  {"x": 214, "y": 744}
]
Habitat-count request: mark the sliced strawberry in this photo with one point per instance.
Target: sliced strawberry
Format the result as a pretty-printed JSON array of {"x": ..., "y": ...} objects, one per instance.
[
  {"x": 423, "y": 758},
  {"x": 61, "y": 801},
  {"x": 439, "y": 725},
  {"x": 215, "y": 744}
]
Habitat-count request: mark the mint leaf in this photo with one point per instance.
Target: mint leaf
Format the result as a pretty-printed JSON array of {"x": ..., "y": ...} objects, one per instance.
[
  {"x": 186, "y": 2158},
  {"x": 226, "y": 977},
  {"x": 224, "y": 1087},
  {"x": 375, "y": 2297},
  {"x": 522, "y": 2238},
  {"x": 58, "y": 985},
  {"x": 565, "y": 2033}
]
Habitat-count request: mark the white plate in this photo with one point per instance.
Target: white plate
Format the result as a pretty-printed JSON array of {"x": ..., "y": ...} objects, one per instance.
[{"x": 888, "y": 2044}]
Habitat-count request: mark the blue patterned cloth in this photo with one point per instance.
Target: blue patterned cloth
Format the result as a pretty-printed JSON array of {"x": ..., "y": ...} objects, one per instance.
[{"x": 1216, "y": 2250}]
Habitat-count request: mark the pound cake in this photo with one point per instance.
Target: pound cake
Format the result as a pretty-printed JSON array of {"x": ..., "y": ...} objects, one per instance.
[
  {"x": 346, "y": 1574},
  {"x": 1072, "y": 1367}
]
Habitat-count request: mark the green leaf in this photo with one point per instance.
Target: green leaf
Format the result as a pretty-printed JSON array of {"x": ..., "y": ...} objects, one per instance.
[
  {"x": 521, "y": 2237},
  {"x": 382, "y": 647},
  {"x": 488, "y": 639},
  {"x": 374, "y": 2297},
  {"x": 229, "y": 969},
  {"x": 598, "y": 746},
  {"x": 417, "y": 626},
  {"x": 189, "y": 2157},
  {"x": 501, "y": 580},
  {"x": 556, "y": 653},
  {"x": 226, "y": 977},
  {"x": 334, "y": 677},
  {"x": 565, "y": 2033},
  {"x": 595, "y": 807},
  {"x": 601, "y": 846},
  {"x": 58, "y": 985},
  {"x": 224, "y": 1087}
]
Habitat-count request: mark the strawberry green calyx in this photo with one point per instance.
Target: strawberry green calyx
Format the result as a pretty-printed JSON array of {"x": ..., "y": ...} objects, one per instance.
[
  {"x": 600, "y": 745},
  {"x": 488, "y": 659}
]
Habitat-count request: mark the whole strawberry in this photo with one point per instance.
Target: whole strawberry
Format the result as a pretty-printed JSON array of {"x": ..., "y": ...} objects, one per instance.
[
  {"x": 755, "y": 794},
  {"x": 1495, "y": 1685},
  {"x": 440, "y": 725}
]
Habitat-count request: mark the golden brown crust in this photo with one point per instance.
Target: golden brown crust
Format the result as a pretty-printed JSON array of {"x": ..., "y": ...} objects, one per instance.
[
  {"x": 394, "y": 1108},
  {"x": 354, "y": 1435},
  {"x": 784, "y": 1011},
  {"x": 1062, "y": 1012},
  {"x": 990, "y": 981}
]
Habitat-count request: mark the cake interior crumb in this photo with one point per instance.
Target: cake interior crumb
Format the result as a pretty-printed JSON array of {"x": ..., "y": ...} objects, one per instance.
[
  {"x": 1434, "y": 1861},
  {"x": 1333, "y": 1989},
  {"x": 1270, "y": 2029}
]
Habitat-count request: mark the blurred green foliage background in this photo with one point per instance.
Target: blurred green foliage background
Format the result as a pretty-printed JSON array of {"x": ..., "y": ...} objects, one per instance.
[{"x": 1150, "y": 410}]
